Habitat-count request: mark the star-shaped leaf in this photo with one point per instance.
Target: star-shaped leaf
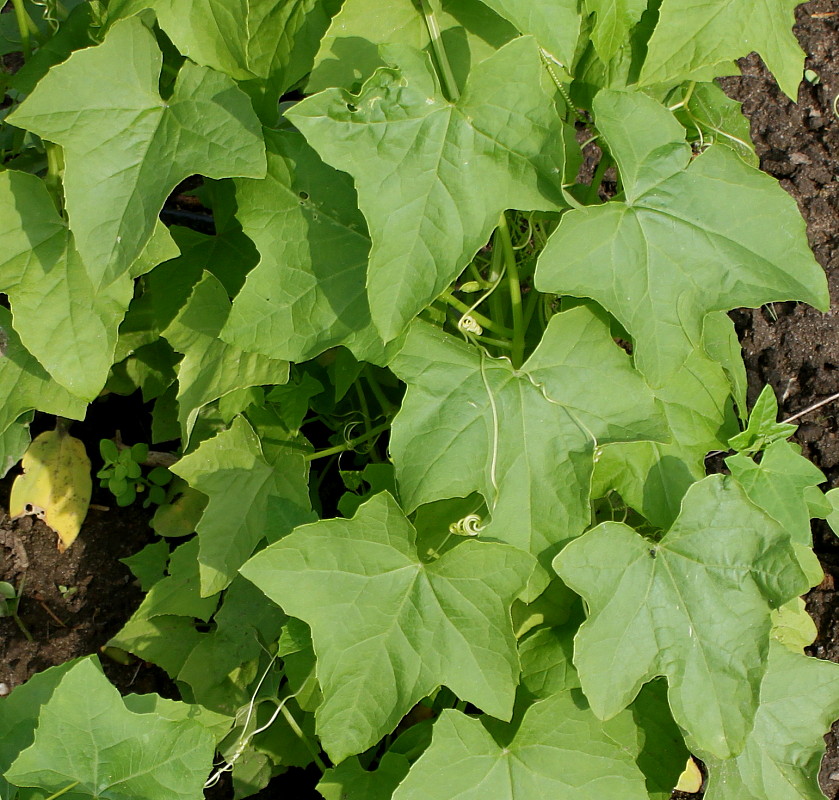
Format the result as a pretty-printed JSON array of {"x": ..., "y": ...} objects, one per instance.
[
  {"x": 560, "y": 750},
  {"x": 799, "y": 699},
  {"x": 308, "y": 291},
  {"x": 524, "y": 439},
  {"x": 388, "y": 628},
  {"x": 692, "y": 37},
  {"x": 207, "y": 126},
  {"x": 212, "y": 368},
  {"x": 88, "y": 740},
  {"x": 695, "y": 607},
  {"x": 673, "y": 250},
  {"x": 432, "y": 175},
  {"x": 64, "y": 321},
  {"x": 245, "y": 491}
]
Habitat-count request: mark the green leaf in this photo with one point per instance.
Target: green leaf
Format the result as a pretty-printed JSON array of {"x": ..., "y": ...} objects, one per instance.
[
  {"x": 693, "y": 37},
  {"x": 652, "y": 478},
  {"x": 777, "y": 485},
  {"x": 308, "y": 291},
  {"x": 664, "y": 609},
  {"x": 555, "y": 24},
  {"x": 25, "y": 386},
  {"x": 375, "y": 609},
  {"x": 69, "y": 326},
  {"x": 88, "y": 738},
  {"x": 763, "y": 428},
  {"x": 149, "y": 564},
  {"x": 433, "y": 176},
  {"x": 271, "y": 43},
  {"x": 675, "y": 231},
  {"x": 799, "y": 699},
  {"x": 546, "y": 662},
  {"x": 833, "y": 517},
  {"x": 524, "y": 439},
  {"x": 717, "y": 118},
  {"x": 793, "y": 627},
  {"x": 13, "y": 442},
  {"x": 246, "y": 493},
  {"x": 613, "y": 20},
  {"x": 350, "y": 781},
  {"x": 207, "y": 126},
  {"x": 210, "y": 367},
  {"x": 560, "y": 750},
  {"x": 350, "y": 51}
]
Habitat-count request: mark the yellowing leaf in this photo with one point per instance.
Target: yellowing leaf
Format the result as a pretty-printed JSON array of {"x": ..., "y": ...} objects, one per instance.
[
  {"x": 55, "y": 485},
  {"x": 690, "y": 780}
]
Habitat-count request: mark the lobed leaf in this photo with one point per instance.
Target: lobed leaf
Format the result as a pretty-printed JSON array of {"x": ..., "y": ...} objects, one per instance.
[
  {"x": 433, "y": 176},
  {"x": 694, "y": 606},
  {"x": 387, "y": 628}
]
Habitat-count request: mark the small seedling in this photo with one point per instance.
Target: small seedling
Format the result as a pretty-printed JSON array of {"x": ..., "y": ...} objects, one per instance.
[
  {"x": 67, "y": 591},
  {"x": 9, "y": 602},
  {"x": 122, "y": 474}
]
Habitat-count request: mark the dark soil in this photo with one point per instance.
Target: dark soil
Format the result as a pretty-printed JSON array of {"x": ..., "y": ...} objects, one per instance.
[{"x": 790, "y": 346}]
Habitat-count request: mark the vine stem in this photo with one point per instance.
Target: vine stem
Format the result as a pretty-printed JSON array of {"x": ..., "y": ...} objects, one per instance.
[
  {"x": 350, "y": 444},
  {"x": 23, "y": 26},
  {"x": 64, "y": 790},
  {"x": 298, "y": 731},
  {"x": 450, "y": 84},
  {"x": 517, "y": 356},
  {"x": 484, "y": 322}
]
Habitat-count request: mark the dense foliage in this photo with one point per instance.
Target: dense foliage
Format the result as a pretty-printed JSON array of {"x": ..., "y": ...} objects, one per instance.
[{"x": 440, "y": 523}]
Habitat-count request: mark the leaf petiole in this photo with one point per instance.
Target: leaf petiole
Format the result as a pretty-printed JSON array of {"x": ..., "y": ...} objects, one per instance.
[
  {"x": 514, "y": 285},
  {"x": 449, "y": 83},
  {"x": 484, "y": 322},
  {"x": 350, "y": 444}
]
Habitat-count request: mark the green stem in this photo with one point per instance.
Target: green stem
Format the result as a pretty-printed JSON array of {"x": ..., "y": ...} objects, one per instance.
[
  {"x": 348, "y": 445},
  {"x": 55, "y": 166},
  {"x": 292, "y": 723},
  {"x": 449, "y": 83},
  {"x": 365, "y": 412},
  {"x": 530, "y": 302},
  {"x": 380, "y": 396},
  {"x": 22, "y": 19},
  {"x": 484, "y": 322},
  {"x": 517, "y": 356},
  {"x": 503, "y": 344}
]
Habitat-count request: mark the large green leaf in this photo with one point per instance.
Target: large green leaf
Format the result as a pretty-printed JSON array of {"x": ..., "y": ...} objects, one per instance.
[
  {"x": 692, "y": 37},
  {"x": 87, "y": 739},
  {"x": 211, "y": 368},
  {"x": 207, "y": 126},
  {"x": 388, "y": 628},
  {"x": 799, "y": 699},
  {"x": 308, "y": 291},
  {"x": 350, "y": 51},
  {"x": 61, "y": 317},
  {"x": 651, "y": 477},
  {"x": 673, "y": 251},
  {"x": 694, "y": 606},
  {"x": 560, "y": 750},
  {"x": 246, "y": 493},
  {"x": 25, "y": 385},
  {"x": 525, "y": 439},
  {"x": 433, "y": 176}
]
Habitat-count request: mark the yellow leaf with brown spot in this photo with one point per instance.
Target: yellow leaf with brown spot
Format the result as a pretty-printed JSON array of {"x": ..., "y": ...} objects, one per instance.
[{"x": 55, "y": 485}]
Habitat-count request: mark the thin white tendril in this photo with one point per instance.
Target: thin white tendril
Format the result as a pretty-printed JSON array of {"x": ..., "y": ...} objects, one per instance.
[
  {"x": 470, "y": 525},
  {"x": 244, "y": 740},
  {"x": 494, "y": 460}
]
